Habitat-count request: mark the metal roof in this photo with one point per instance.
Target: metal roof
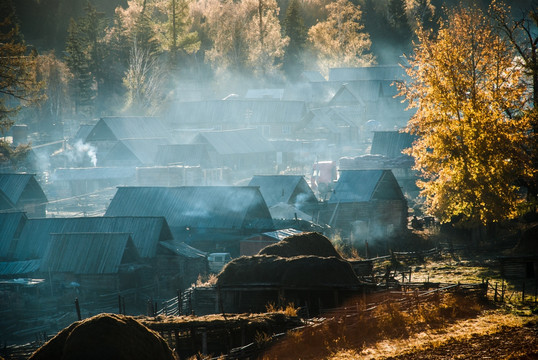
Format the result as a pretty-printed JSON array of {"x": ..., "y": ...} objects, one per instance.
[
  {"x": 243, "y": 141},
  {"x": 391, "y": 143},
  {"x": 182, "y": 249},
  {"x": 378, "y": 72},
  {"x": 356, "y": 186},
  {"x": 313, "y": 76},
  {"x": 146, "y": 232},
  {"x": 220, "y": 207},
  {"x": 143, "y": 150},
  {"x": 19, "y": 267},
  {"x": 185, "y": 154},
  {"x": 241, "y": 112},
  {"x": 281, "y": 188},
  {"x": 86, "y": 253},
  {"x": 82, "y": 132},
  {"x": 127, "y": 127},
  {"x": 282, "y": 234},
  {"x": 11, "y": 224},
  {"x": 13, "y": 185},
  {"x": 93, "y": 173}
]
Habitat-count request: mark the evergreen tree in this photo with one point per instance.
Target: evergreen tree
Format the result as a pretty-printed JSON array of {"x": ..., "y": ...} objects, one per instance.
[
  {"x": 295, "y": 30},
  {"x": 79, "y": 65}
]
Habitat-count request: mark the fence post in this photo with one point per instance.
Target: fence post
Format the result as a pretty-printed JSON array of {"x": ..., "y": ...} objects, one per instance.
[
  {"x": 77, "y": 307},
  {"x": 495, "y": 296},
  {"x": 119, "y": 304},
  {"x": 523, "y": 292},
  {"x": 178, "y": 301},
  {"x": 502, "y": 291}
]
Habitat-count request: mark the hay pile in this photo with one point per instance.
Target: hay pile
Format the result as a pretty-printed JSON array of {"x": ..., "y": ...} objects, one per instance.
[
  {"x": 105, "y": 336},
  {"x": 298, "y": 272},
  {"x": 307, "y": 243}
]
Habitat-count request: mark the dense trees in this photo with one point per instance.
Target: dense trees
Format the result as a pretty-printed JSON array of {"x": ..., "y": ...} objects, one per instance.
[
  {"x": 468, "y": 95},
  {"x": 18, "y": 82},
  {"x": 295, "y": 30}
]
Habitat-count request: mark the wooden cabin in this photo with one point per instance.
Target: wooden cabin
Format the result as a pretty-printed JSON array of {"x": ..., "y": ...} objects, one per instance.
[{"x": 366, "y": 204}]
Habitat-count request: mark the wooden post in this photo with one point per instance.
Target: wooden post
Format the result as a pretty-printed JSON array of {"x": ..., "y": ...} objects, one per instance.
[
  {"x": 204, "y": 342},
  {"x": 495, "y": 294},
  {"x": 178, "y": 302},
  {"x": 119, "y": 304},
  {"x": 502, "y": 291},
  {"x": 123, "y": 305},
  {"x": 523, "y": 293},
  {"x": 77, "y": 307}
]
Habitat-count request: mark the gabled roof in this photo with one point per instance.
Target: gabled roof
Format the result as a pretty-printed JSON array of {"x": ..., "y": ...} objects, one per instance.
[
  {"x": 11, "y": 224},
  {"x": 243, "y": 141},
  {"x": 82, "y": 133},
  {"x": 88, "y": 253},
  {"x": 143, "y": 150},
  {"x": 182, "y": 249},
  {"x": 391, "y": 143},
  {"x": 320, "y": 92},
  {"x": 288, "y": 189},
  {"x": 217, "y": 207},
  {"x": 146, "y": 232},
  {"x": 365, "y": 185},
  {"x": 113, "y": 128},
  {"x": 12, "y": 186},
  {"x": 377, "y": 72},
  {"x": 242, "y": 112}
]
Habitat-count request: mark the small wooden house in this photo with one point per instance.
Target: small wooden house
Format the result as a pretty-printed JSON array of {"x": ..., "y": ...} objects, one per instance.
[
  {"x": 96, "y": 261},
  {"x": 182, "y": 264},
  {"x": 244, "y": 149},
  {"x": 22, "y": 192},
  {"x": 132, "y": 152},
  {"x": 366, "y": 204}
]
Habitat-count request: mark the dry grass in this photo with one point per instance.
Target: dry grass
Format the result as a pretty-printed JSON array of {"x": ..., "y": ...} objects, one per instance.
[{"x": 344, "y": 335}]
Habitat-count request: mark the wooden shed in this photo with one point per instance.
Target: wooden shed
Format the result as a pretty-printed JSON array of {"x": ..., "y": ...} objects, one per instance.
[
  {"x": 11, "y": 225},
  {"x": 253, "y": 244},
  {"x": 366, "y": 204},
  {"x": 22, "y": 192}
]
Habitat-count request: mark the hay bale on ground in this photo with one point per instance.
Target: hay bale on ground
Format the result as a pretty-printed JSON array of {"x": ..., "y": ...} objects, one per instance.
[
  {"x": 105, "y": 336},
  {"x": 298, "y": 271},
  {"x": 307, "y": 243}
]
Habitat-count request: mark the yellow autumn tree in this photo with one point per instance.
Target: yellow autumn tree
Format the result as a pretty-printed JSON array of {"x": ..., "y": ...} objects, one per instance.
[
  {"x": 469, "y": 97},
  {"x": 340, "y": 40}
]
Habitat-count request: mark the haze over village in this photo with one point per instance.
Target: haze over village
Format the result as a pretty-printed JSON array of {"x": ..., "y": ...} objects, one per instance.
[{"x": 172, "y": 160}]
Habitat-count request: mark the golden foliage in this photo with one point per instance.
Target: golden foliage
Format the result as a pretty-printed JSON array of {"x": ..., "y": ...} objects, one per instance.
[{"x": 469, "y": 97}]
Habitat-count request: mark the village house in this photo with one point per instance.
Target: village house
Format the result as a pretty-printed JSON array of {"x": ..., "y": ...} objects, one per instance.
[
  {"x": 289, "y": 190},
  {"x": 22, "y": 192},
  {"x": 243, "y": 151},
  {"x": 132, "y": 153},
  {"x": 109, "y": 130},
  {"x": 366, "y": 204},
  {"x": 97, "y": 262},
  {"x": 209, "y": 218}
]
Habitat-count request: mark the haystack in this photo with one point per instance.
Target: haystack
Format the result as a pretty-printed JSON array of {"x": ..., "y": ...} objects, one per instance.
[
  {"x": 307, "y": 243},
  {"x": 105, "y": 336},
  {"x": 297, "y": 272}
]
